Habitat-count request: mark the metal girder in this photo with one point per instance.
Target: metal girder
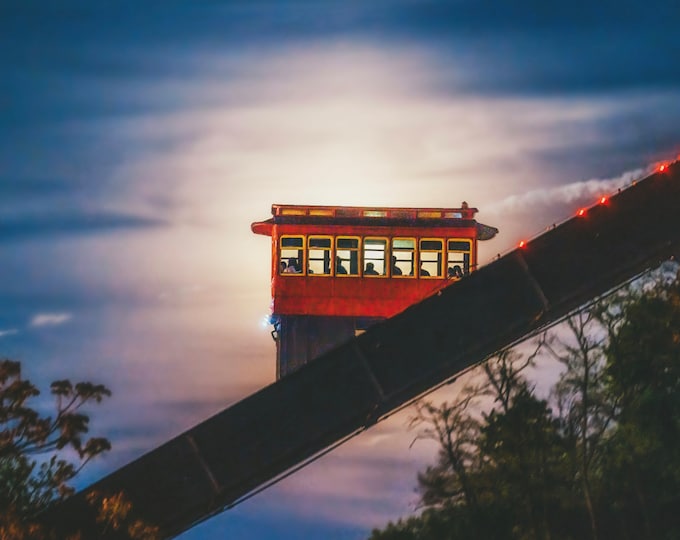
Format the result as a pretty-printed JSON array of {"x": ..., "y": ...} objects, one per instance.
[{"x": 228, "y": 456}]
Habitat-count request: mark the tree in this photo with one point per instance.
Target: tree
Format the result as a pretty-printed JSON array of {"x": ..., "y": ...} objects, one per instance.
[
  {"x": 522, "y": 449},
  {"x": 33, "y": 470},
  {"x": 643, "y": 379},
  {"x": 600, "y": 460},
  {"x": 457, "y": 433},
  {"x": 585, "y": 410},
  {"x": 472, "y": 490},
  {"x": 28, "y": 484}
]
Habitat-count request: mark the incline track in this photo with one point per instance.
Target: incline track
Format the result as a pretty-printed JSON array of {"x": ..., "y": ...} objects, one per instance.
[{"x": 220, "y": 461}]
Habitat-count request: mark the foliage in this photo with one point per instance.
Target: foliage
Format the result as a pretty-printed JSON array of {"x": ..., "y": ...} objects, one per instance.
[
  {"x": 34, "y": 471},
  {"x": 599, "y": 459},
  {"x": 114, "y": 513},
  {"x": 28, "y": 484}
]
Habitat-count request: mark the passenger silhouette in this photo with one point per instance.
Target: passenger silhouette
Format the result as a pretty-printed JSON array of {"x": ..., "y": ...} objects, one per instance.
[
  {"x": 396, "y": 271},
  {"x": 455, "y": 272},
  {"x": 339, "y": 269},
  {"x": 370, "y": 270},
  {"x": 292, "y": 267}
]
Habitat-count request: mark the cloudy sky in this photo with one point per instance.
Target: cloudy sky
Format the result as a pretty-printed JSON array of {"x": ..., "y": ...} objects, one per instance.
[{"x": 139, "y": 140}]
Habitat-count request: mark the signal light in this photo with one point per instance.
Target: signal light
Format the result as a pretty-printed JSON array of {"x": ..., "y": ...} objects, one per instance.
[
  {"x": 522, "y": 243},
  {"x": 662, "y": 167},
  {"x": 603, "y": 200},
  {"x": 581, "y": 212}
]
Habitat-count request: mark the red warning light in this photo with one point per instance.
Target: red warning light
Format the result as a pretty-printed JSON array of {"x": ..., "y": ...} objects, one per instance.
[
  {"x": 522, "y": 243},
  {"x": 581, "y": 212},
  {"x": 662, "y": 167},
  {"x": 603, "y": 200}
]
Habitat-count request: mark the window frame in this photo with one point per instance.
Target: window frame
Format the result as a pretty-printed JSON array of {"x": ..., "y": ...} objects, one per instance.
[
  {"x": 440, "y": 259},
  {"x": 301, "y": 255},
  {"x": 467, "y": 262},
  {"x": 386, "y": 256},
  {"x": 329, "y": 250},
  {"x": 414, "y": 256},
  {"x": 356, "y": 250}
]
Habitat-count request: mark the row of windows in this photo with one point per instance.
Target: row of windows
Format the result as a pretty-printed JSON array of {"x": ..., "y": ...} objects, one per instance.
[{"x": 370, "y": 256}]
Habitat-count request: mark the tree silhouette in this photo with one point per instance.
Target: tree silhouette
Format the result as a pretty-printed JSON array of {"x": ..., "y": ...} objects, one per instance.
[
  {"x": 596, "y": 460},
  {"x": 33, "y": 470}
]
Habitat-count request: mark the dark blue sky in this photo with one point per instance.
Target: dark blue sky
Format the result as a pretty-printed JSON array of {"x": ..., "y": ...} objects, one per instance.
[{"x": 139, "y": 140}]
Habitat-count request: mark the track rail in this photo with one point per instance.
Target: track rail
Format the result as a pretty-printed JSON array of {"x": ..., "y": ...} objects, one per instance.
[{"x": 217, "y": 463}]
